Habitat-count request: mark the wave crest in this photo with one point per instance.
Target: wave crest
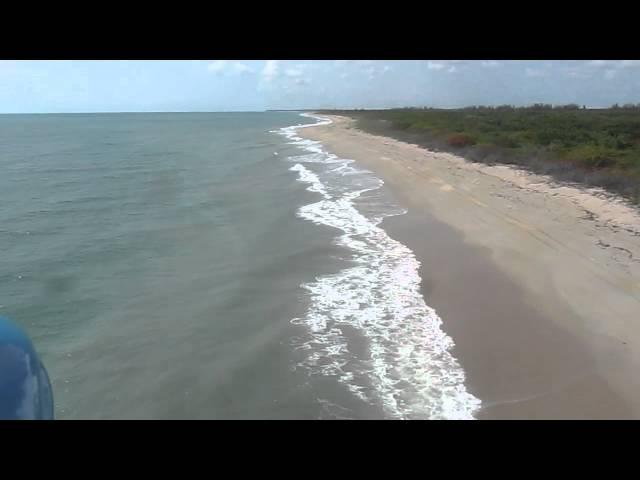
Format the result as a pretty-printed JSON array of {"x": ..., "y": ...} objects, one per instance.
[{"x": 407, "y": 368}]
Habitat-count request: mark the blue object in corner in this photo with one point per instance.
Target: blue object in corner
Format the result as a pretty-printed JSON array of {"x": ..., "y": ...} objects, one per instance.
[{"x": 25, "y": 389}]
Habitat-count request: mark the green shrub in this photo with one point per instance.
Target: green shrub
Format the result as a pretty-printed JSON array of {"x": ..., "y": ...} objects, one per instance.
[
  {"x": 593, "y": 156},
  {"x": 460, "y": 140},
  {"x": 597, "y": 146},
  {"x": 506, "y": 141},
  {"x": 401, "y": 124}
]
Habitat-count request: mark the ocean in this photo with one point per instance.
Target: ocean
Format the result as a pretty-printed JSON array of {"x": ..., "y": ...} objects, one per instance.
[{"x": 214, "y": 266}]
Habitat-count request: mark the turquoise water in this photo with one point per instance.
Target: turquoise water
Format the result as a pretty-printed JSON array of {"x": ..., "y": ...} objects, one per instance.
[
  {"x": 213, "y": 266},
  {"x": 156, "y": 261}
]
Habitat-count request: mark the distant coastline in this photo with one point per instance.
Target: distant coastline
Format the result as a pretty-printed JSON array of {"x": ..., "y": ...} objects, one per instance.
[{"x": 571, "y": 143}]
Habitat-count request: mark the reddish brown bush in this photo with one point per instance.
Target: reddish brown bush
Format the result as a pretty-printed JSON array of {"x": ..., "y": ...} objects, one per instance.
[{"x": 460, "y": 140}]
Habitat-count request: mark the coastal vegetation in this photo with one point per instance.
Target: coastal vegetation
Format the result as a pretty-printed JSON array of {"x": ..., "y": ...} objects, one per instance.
[{"x": 595, "y": 147}]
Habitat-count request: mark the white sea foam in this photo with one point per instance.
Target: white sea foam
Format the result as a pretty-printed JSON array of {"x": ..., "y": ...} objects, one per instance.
[{"x": 407, "y": 368}]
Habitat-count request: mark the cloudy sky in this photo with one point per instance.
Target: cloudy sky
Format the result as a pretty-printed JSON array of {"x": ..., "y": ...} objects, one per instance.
[{"x": 229, "y": 85}]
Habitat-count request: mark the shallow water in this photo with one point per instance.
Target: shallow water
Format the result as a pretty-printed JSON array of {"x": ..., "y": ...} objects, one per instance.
[{"x": 213, "y": 266}]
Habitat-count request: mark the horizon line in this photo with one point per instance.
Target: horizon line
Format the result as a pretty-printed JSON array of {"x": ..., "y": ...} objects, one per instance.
[{"x": 447, "y": 107}]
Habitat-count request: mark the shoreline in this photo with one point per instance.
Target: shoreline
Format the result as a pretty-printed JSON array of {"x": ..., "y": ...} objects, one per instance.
[
  {"x": 354, "y": 314},
  {"x": 539, "y": 298}
]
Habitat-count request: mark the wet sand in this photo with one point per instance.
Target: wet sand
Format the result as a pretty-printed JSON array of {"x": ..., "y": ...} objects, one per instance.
[{"x": 538, "y": 285}]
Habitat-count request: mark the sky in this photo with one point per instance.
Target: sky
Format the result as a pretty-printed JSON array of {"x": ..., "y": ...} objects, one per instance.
[{"x": 57, "y": 86}]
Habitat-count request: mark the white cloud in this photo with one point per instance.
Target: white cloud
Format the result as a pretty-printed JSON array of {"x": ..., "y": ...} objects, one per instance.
[
  {"x": 224, "y": 66},
  {"x": 490, "y": 63},
  {"x": 45, "y": 86},
  {"x": 435, "y": 65},
  {"x": 575, "y": 73},
  {"x": 450, "y": 66},
  {"x": 239, "y": 67},
  {"x": 313, "y": 66},
  {"x": 386, "y": 69},
  {"x": 293, "y": 72},
  {"x": 217, "y": 66},
  {"x": 614, "y": 63},
  {"x": 610, "y": 68},
  {"x": 532, "y": 72},
  {"x": 270, "y": 70},
  {"x": 599, "y": 63}
]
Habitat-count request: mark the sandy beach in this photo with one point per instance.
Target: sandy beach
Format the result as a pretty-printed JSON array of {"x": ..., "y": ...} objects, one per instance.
[{"x": 538, "y": 284}]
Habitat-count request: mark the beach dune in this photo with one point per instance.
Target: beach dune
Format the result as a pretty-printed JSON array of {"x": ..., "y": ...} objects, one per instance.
[{"x": 538, "y": 284}]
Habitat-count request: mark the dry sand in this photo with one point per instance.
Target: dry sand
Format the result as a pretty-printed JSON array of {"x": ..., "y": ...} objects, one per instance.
[{"x": 537, "y": 283}]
